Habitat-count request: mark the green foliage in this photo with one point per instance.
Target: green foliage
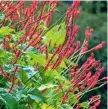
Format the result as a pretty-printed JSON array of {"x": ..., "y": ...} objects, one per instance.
[
  {"x": 5, "y": 56},
  {"x": 85, "y": 105},
  {"x": 37, "y": 87},
  {"x": 33, "y": 58},
  {"x": 6, "y": 31},
  {"x": 56, "y": 35},
  {"x": 9, "y": 100},
  {"x": 1, "y": 16},
  {"x": 23, "y": 75},
  {"x": 35, "y": 94}
]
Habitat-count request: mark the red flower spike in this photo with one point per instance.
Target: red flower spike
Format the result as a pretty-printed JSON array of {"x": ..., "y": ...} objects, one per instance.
[
  {"x": 4, "y": 73},
  {"x": 31, "y": 9},
  {"x": 88, "y": 75},
  {"x": 96, "y": 104},
  {"x": 46, "y": 51},
  {"x": 19, "y": 83},
  {"x": 48, "y": 19},
  {"x": 77, "y": 45},
  {"x": 58, "y": 49},
  {"x": 72, "y": 13},
  {"x": 105, "y": 78},
  {"x": 88, "y": 33},
  {"x": 37, "y": 64},
  {"x": 18, "y": 53},
  {"x": 58, "y": 61},
  {"x": 94, "y": 82},
  {"x": 96, "y": 97},
  {"x": 72, "y": 34},
  {"x": 85, "y": 47},
  {"x": 78, "y": 106},
  {"x": 92, "y": 107},
  {"x": 65, "y": 97},
  {"x": 75, "y": 4},
  {"x": 16, "y": 69},
  {"x": 78, "y": 96},
  {"x": 99, "y": 46}
]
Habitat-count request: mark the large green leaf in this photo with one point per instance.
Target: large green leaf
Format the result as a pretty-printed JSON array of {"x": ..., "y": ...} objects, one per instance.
[
  {"x": 9, "y": 100},
  {"x": 33, "y": 58},
  {"x": 56, "y": 35},
  {"x": 35, "y": 94}
]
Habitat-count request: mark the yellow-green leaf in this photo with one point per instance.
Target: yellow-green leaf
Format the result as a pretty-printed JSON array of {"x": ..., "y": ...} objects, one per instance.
[{"x": 5, "y": 31}]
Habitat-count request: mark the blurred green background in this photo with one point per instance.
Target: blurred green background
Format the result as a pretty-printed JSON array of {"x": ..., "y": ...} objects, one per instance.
[{"x": 94, "y": 14}]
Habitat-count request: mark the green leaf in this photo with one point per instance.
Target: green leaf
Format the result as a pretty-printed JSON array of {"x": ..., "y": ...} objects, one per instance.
[
  {"x": 63, "y": 65},
  {"x": 35, "y": 94},
  {"x": 3, "y": 53},
  {"x": 42, "y": 25},
  {"x": 48, "y": 93},
  {"x": 8, "y": 22},
  {"x": 85, "y": 104},
  {"x": 56, "y": 35},
  {"x": 17, "y": 27},
  {"x": 6, "y": 31},
  {"x": 19, "y": 94},
  {"x": 46, "y": 106},
  {"x": 23, "y": 106},
  {"x": 9, "y": 100},
  {"x": 46, "y": 86},
  {"x": 1, "y": 16},
  {"x": 5, "y": 56},
  {"x": 74, "y": 100},
  {"x": 3, "y": 81},
  {"x": 72, "y": 64},
  {"x": 66, "y": 106},
  {"x": 59, "y": 77},
  {"x": 33, "y": 58},
  {"x": 23, "y": 75},
  {"x": 19, "y": 34}
]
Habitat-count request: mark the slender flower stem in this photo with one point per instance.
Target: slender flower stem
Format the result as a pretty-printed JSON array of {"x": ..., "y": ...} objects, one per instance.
[
  {"x": 80, "y": 53},
  {"x": 68, "y": 68},
  {"x": 86, "y": 91}
]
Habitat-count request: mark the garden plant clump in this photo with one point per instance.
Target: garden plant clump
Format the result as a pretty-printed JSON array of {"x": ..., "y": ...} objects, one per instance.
[{"x": 39, "y": 62}]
